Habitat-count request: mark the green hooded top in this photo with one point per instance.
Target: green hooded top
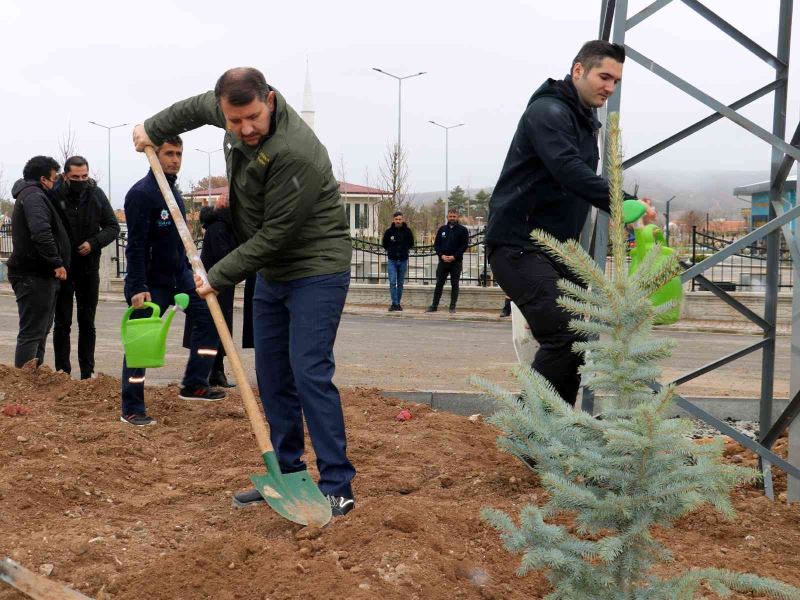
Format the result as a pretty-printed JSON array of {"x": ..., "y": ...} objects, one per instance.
[{"x": 288, "y": 217}]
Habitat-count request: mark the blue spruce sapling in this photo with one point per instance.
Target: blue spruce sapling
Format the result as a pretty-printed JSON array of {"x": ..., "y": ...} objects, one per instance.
[{"x": 632, "y": 469}]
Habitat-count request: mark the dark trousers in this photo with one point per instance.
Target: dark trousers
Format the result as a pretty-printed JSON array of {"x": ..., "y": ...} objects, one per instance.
[
  {"x": 294, "y": 327},
  {"x": 36, "y": 300},
  {"x": 453, "y": 269},
  {"x": 529, "y": 278},
  {"x": 85, "y": 288},
  {"x": 204, "y": 338}
]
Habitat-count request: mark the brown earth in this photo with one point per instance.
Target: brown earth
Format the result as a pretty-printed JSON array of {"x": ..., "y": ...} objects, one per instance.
[{"x": 122, "y": 512}]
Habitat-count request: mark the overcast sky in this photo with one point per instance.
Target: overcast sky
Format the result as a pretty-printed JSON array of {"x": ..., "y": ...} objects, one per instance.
[{"x": 65, "y": 63}]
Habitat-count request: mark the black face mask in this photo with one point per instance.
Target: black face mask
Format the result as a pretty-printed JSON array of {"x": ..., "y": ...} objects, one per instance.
[{"x": 76, "y": 188}]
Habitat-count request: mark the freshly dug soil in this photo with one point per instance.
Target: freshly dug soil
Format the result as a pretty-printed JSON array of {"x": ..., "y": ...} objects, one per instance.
[{"x": 129, "y": 513}]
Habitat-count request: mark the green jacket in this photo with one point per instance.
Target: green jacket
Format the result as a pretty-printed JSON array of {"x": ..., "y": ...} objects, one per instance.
[{"x": 288, "y": 217}]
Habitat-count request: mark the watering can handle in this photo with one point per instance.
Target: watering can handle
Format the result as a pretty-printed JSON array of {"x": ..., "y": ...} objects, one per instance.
[
  {"x": 127, "y": 315},
  {"x": 257, "y": 421}
]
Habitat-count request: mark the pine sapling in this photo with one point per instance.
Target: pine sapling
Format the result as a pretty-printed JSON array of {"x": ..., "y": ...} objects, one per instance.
[{"x": 633, "y": 469}]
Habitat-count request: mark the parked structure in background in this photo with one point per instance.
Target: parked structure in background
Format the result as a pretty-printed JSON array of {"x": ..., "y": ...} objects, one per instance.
[{"x": 757, "y": 194}]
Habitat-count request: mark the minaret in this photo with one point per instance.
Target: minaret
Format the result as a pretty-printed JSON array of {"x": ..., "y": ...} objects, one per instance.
[{"x": 308, "y": 102}]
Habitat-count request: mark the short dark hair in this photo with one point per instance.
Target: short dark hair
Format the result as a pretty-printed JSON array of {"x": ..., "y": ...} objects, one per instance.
[
  {"x": 397, "y": 213},
  {"x": 593, "y": 52},
  {"x": 75, "y": 161},
  {"x": 39, "y": 166},
  {"x": 241, "y": 85},
  {"x": 175, "y": 140},
  {"x": 452, "y": 210}
]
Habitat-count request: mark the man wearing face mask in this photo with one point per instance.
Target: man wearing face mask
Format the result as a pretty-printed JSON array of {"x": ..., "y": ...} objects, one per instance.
[
  {"x": 91, "y": 225},
  {"x": 40, "y": 259}
]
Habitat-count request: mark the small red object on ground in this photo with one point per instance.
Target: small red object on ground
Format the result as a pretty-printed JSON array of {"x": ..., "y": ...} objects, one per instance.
[
  {"x": 404, "y": 415},
  {"x": 13, "y": 410}
]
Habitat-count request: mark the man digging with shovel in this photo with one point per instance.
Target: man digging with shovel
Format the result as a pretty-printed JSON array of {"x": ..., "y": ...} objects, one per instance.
[{"x": 290, "y": 226}]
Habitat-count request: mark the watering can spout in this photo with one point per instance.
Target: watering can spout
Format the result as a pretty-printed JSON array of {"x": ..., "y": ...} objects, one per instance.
[{"x": 145, "y": 339}]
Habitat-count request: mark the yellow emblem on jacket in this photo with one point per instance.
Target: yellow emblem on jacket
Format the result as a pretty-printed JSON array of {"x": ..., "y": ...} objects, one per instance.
[{"x": 262, "y": 158}]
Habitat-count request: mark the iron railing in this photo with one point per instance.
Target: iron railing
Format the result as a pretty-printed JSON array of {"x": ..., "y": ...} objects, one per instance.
[
  {"x": 119, "y": 255},
  {"x": 369, "y": 263},
  {"x": 745, "y": 270}
]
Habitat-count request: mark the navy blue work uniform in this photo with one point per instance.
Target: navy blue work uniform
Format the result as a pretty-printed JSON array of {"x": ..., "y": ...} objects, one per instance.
[{"x": 157, "y": 263}]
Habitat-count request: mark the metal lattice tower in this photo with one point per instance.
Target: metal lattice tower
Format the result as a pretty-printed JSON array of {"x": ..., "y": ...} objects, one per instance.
[{"x": 614, "y": 23}]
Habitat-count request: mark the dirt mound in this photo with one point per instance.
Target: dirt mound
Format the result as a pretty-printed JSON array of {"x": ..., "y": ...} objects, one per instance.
[{"x": 123, "y": 512}]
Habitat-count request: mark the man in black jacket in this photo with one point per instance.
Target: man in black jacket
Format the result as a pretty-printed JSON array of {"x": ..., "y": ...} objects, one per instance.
[
  {"x": 397, "y": 241},
  {"x": 157, "y": 269},
  {"x": 548, "y": 181},
  {"x": 40, "y": 258},
  {"x": 452, "y": 240},
  {"x": 91, "y": 225}
]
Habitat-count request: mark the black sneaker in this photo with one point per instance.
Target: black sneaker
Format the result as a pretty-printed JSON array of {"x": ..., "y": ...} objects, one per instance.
[
  {"x": 452, "y": 310},
  {"x": 400, "y": 308},
  {"x": 340, "y": 505},
  {"x": 202, "y": 392},
  {"x": 138, "y": 420},
  {"x": 393, "y": 308},
  {"x": 218, "y": 379},
  {"x": 431, "y": 309},
  {"x": 247, "y": 498},
  {"x": 506, "y": 312}
]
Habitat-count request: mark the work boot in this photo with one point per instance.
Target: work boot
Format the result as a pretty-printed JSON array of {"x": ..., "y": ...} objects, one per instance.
[
  {"x": 218, "y": 379},
  {"x": 430, "y": 309},
  {"x": 201, "y": 392},
  {"x": 340, "y": 505}
]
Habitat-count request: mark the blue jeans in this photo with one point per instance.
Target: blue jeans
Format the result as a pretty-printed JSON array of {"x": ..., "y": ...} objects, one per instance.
[
  {"x": 397, "y": 274},
  {"x": 204, "y": 336},
  {"x": 294, "y": 327}
]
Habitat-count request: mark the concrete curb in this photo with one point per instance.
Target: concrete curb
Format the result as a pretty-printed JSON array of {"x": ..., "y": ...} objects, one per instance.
[{"x": 470, "y": 403}]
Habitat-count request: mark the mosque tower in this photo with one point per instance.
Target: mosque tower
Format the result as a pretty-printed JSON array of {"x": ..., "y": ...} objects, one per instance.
[{"x": 308, "y": 102}]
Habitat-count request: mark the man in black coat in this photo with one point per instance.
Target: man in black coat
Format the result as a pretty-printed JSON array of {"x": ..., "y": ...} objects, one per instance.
[
  {"x": 91, "y": 225},
  {"x": 452, "y": 240},
  {"x": 218, "y": 242},
  {"x": 548, "y": 181},
  {"x": 40, "y": 258},
  {"x": 397, "y": 241}
]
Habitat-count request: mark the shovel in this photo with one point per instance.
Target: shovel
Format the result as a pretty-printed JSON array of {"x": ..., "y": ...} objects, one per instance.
[{"x": 294, "y": 496}]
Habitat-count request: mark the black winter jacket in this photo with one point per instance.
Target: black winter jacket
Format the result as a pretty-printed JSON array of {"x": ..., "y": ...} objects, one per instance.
[
  {"x": 549, "y": 177},
  {"x": 95, "y": 223},
  {"x": 154, "y": 254},
  {"x": 39, "y": 235},
  {"x": 452, "y": 241},
  {"x": 397, "y": 241}
]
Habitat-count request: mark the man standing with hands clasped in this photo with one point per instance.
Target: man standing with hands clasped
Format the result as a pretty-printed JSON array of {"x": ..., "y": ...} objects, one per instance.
[
  {"x": 452, "y": 240},
  {"x": 397, "y": 241},
  {"x": 288, "y": 220}
]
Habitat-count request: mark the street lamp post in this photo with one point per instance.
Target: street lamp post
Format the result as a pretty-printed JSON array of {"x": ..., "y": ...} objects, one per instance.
[
  {"x": 108, "y": 128},
  {"x": 208, "y": 181},
  {"x": 399, "y": 124},
  {"x": 667, "y": 215},
  {"x": 447, "y": 129}
]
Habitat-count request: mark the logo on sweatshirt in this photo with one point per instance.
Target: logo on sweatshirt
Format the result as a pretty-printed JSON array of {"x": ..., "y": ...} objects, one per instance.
[
  {"x": 444, "y": 234},
  {"x": 164, "y": 215}
]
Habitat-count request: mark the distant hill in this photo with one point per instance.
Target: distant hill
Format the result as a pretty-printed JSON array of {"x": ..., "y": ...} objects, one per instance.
[{"x": 703, "y": 191}]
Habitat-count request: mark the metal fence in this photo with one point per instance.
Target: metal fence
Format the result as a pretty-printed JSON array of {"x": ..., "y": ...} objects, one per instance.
[
  {"x": 745, "y": 270},
  {"x": 369, "y": 263},
  {"x": 119, "y": 255},
  {"x": 6, "y": 244}
]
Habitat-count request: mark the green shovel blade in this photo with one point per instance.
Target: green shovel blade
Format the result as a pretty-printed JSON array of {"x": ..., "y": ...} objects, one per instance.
[{"x": 294, "y": 496}]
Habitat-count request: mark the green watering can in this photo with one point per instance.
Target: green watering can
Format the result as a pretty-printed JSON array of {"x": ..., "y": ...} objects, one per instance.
[
  {"x": 145, "y": 340},
  {"x": 646, "y": 237}
]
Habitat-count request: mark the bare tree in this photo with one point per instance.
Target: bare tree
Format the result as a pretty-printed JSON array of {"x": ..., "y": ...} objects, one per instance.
[
  {"x": 67, "y": 144},
  {"x": 394, "y": 176}
]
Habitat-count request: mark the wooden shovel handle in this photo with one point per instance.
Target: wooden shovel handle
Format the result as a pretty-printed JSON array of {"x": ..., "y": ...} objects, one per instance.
[{"x": 257, "y": 421}]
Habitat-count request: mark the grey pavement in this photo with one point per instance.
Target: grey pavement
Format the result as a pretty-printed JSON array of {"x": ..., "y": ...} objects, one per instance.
[{"x": 414, "y": 351}]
